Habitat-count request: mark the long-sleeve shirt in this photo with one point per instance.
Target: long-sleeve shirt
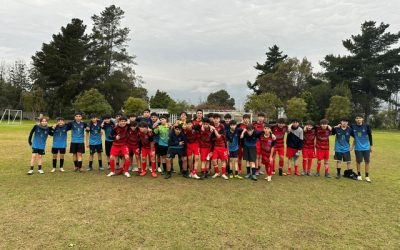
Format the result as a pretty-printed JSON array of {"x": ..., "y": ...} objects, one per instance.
[
  {"x": 175, "y": 139},
  {"x": 362, "y": 137},
  {"x": 40, "y": 135},
  {"x": 295, "y": 138},
  {"x": 163, "y": 132}
]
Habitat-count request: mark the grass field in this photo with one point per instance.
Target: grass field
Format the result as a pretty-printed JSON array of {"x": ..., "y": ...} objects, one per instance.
[{"x": 91, "y": 211}]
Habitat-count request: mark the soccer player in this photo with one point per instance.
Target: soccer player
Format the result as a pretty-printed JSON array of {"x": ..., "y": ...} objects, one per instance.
[
  {"x": 40, "y": 133},
  {"x": 162, "y": 130},
  {"x": 94, "y": 141},
  {"x": 155, "y": 122},
  {"x": 176, "y": 146},
  {"x": 107, "y": 125},
  {"x": 267, "y": 143},
  {"x": 308, "y": 151},
  {"x": 323, "y": 131},
  {"x": 146, "y": 118},
  {"x": 133, "y": 142},
  {"x": 192, "y": 134},
  {"x": 77, "y": 147},
  {"x": 342, "y": 145},
  {"x": 119, "y": 135},
  {"x": 59, "y": 133},
  {"x": 147, "y": 147},
  {"x": 206, "y": 146},
  {"x": 199, "y": 118},
  {"x": 294, "y": 145},
  {"x": 279, "y": 130},
  {"x": 259, "y": 126},
  {"x": 232, "y": 136},
  {"x": 362, "y": 145},
  {"x": 250, "y": 138},
  {"x": 220, "y": 151},
  {"x": 243, "y": 125}
]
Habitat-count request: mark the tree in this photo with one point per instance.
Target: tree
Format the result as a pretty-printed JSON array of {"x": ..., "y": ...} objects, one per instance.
[
  {"x": 59, "y": 65},
  {"x": 92, "y": 102},
  {"x": 160, "y": 100},
  {"x": 289, "y": 78},
  {"x": 371, "y": 70},
  {"x": 313, "y": 111},
  {"x": 33, "y": 101},
  {"x": 109, "y": 41},
  {"x": 176, "y": 107},
  {"x": 135, "y": 105},
  {"x": 342, "y": 90},
  {"x": 19, "y": 76},
  {"x": 267, "y": 103},
  {"x": 274, "y": 56},
  {"x": 322, "y": 94},
  {"x": 296, "y": 108},
  {"x": 339, "y": 107},
  {"x": 221, "y": 99}
]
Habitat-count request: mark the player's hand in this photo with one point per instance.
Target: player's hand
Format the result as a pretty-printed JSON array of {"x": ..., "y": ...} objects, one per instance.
[
  {"x": 351, "y": 148},
  {"x": 181, "y": 143},
  {"x": 329, "y": 127},
  {"x": 54, "y": 126},
  {"x": 370, "y": 150},
  {"x": 87, "y": 145},
  {"x": 118, "y": 137},
  {"x": 30, "y": 143},
  {"x": 270, "y": 159}
]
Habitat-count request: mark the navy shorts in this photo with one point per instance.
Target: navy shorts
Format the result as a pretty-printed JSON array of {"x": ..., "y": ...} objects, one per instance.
[
  {"x": 55, "y": 151},
  {"x": 108, "y": 145},
  {"x": 176, "y": 151},
  {"x": 250, "y": 154},
  {"x": 342, "y": 156},
  {"x": 162, "y": 150},
  {"x": 96, "y": 148},
  {"x": 233, "y": 154},
  {"x": 363, "y": 155},
  {"x": 38, "y": 151}
]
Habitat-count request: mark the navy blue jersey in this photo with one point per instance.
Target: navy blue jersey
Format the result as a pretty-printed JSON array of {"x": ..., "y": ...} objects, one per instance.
[
  {"x": 251, "y": 140},
  {"x": 108, "y": 127},
  {"x": 59, "y": 136},
  {"x": 342, "y": 140},
  {"x": 233, "y": 139},
  {"x": 174, "y": 140},
  {"x": 40, "y": 135},
  {"x": 94, "y": 133},
  {"x": 77, "y": 131},
  {"x": 362, "y": 137},
  {"x": 145, "y": 120}
]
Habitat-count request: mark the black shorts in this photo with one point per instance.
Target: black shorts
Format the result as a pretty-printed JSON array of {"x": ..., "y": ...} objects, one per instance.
[
  {"x": 96, "y": 148},
  {"x": 108, "y": 145},
  {"x": 250, "y": 154},
  {"x": 77, "y": 148},
  {"x": 175, "y": 151},
  {"x": 55, "y": 151},
  {"x": 345, "y": 157},
  {"x": 38, "y": 151},
  {"x": 233, "y": 154},
  {"x": 362, "y": 155},
  {"x": 162, "y": 150}
]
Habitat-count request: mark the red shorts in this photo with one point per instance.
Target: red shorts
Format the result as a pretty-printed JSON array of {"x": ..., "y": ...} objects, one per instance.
[
  {"x": 134, "y": 150},
  {"x": 220, "y": 154},
  {"x": 258, "y": 147},
  {"x": 265, "y": 159},
  {"x": 193, "y": 149},
  {"x": 119, "y": 150},
  {"x": 148, "y": 152},
  {"x": 322, "y": 154},
  {"x": 308, "y": 153},
  {"x": 279, "y": 151},
  {"x": 204, "y": 152},
  {"x": 291, "y": 152}
]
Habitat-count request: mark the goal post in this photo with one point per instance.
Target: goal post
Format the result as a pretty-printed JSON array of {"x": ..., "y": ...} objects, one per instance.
[{"x": 11, "y": 116}]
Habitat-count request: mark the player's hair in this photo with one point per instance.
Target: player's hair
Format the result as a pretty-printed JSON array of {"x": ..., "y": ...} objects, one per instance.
[
  {"x": 146, "y": 110},
  {"x": 216, "y": 116},
  {"x": 344, "y": 119},
  {"x": 107, "y": 116},
  {"x": 132, "y": 115},
  {"x": 206, "y": 120},
  {"x": 133, "y": 124},
  {"x": 359, "y": 116},
  {"x": 281, "y": 120},
  {"x": 60, "y": 119},
  {"x": 199, "y": 110},
  {"x": 232, "y": 122},
  {"x": 44, "y": 118},
  {"x": 118, "y": 114},
  {"x": 246, "y": 116},
  {"x": 210, "y": 115},
  {"x": 183, "y": 112},
  {"x": 164, "y": 117},
  {"x": 178, "y": 127},
  {"x": 261, "y": 115},
  {"x": 324, "y": 122},
  {"x": 78, "y": 113},
  {"x": 309, "y": 122},
  {"x": 92, "y": 116},
  {"x": 143, "y": 125},
  {"x": 295, "y": 120},
  {"x": 266, "y": 125},
  {"x": 227, "y": 116},
  {"x": 154, "y": 114},
  {"x": 123, "y": 118}
]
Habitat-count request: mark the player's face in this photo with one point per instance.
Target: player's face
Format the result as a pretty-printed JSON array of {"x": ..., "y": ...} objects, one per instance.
[
  {"x": 61, "y": 123},
  {"x": 177, "y": 131},
  {"x": 206, "y": 125},
  {"x": 154, "y": 118},
  {"x": 250, "y": 132},
  {"x": 324, "y": 126},
  {"x": 107, "y": 120},
  {"x": 43, "y": 122},
  {"x": 189, "y": 125},
  {"x": 163, "y": 121},
  {"x": 117, "y": 117},
  {"x": 309, "y": 127},
  {"x": 281, "y": 125},
  {"x": 228, "y": 120},
  {"x": 359, "y": 120},
  {"x": 143, "y": 129},
  {"x": 344, "y": 124},
  {"x": 78, "y": 118},
  {"x": 295, "y": 124},
  {"x": 94, "y": 119},
  {"x": 183, "y": 116},
  {"x": 267, "y": 130},
  {"x": 132, "y": 118},
  {"x": 146, "y": 114},
  {"x": 199, "y": 115},
  {"x": 246, "y": 120},
  {"x": 122, "y": 123},
  {"x": 216, "y": 120},
  {"x": 233, "y": 126},
  {"x": 261, "y": 119}
]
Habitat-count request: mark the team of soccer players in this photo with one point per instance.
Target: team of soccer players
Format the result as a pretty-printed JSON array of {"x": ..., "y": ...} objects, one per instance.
[{"x": 217, "y": 146}]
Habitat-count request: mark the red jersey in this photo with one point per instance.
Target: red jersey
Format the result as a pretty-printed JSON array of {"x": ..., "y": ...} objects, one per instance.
[
  {"x": 309, "y": 138},
  {"x": 280, "y": 135},
  {"x": 146, "y": 139},
  {"x": 258, "y": 126},
  {"x": 197, "y": 122},
  {"x": 192, "y": 136},
  {"x": 221, "y": 141},
  {"x": 123, "y": 135},
  {"x": 133, "y": 138},
  {"x": 205, "y": 139},
  {"x": 242, "y": 125},
  {"x": 266, "y": 144},
  {"x": 322, "y": 138}
]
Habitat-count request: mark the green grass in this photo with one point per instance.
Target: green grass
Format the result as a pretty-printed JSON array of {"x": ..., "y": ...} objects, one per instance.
[{"x": 91, "y": 211}]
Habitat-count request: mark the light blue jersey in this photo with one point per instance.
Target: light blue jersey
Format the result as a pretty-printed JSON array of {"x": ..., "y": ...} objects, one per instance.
[
  {"x": 77, "y": 131},
  {"x": 342, "y": 140},
  {"x": 95, "y": 133},
  {"x": 362, "y": 137},
  {"x": 40, "y": 135},
  {"x": 60, "y": 137}
]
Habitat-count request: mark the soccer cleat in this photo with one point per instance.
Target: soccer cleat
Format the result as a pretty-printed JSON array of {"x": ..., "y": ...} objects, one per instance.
[
  {"x": 190, "y": 175},
  {"x": 120, "y": 171},
  {"x": 248, "y": 176},
  {"x": 62, "y": 170},
  {"x": 338, "y": 176},
  {"x": 224, "y": 177},
  {"x": 297, "y": 173},
  {"x": 289, "y": 172},
  {"x": 303, "y": 173},
  {"x": 359, "y": 178},
  {"x": 167, "y": 176},
  {"x": 273, "y": 172},
  {"x": 257, "y": 172},
  {"x": 159, "y": 170},
  {"x": 135, "y": 169},
  {"x": 89, "y": 169},
  {"x": 231, "y": 176},
  {"x": 195, "y": 176},
  {"x": 30, "y": 172},
  {"x": 261, "y": 172},
  {"x": 328, "y": 175},
  {"x": 204, "y": 175},
  {"x": 127, "y": 174},
  {"x": 309, "y": 173},
  {"x": 110, "y": 174},
  {"x": 40, "y": 171},
  {"x": 367, "y": 179},
  {"x": 143, "y": 173},
  {"x": 215, "y": 175},
  {"x": 317, "y": 174},
  {"x": 254, "y": 178},
  {"x": 154, "y": 174},
  {"x": 53, "y": 170},
  {"x": 101, "y": 169},
  {"x": 76, "y": 169},
  {"x": 268, "y": 178},
  {"x": 238, "y": 177}
]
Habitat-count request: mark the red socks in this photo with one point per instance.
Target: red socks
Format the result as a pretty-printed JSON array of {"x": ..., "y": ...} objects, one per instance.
[
  {"x": 318, "y": 166},
  {"x": 326, "y": 168},
  {"x": 112, "y": 165},
  {"x": 216, "y": 170},
  {"x": 126, "y": 166},
  {"x": 223, "y": 170},
  {"x": 305, "y": 165},
  {"x": 144, "y": 166},
  {"x": 309, "y": 164},
  {"x": 153, "y": 166}
]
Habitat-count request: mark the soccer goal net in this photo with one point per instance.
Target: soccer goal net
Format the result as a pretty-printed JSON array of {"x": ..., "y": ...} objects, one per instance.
[{"x": 11, "y": 116}]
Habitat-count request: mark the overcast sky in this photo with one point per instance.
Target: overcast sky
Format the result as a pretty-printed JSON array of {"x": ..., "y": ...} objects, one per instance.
[{"x": 191, "y": 47}]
